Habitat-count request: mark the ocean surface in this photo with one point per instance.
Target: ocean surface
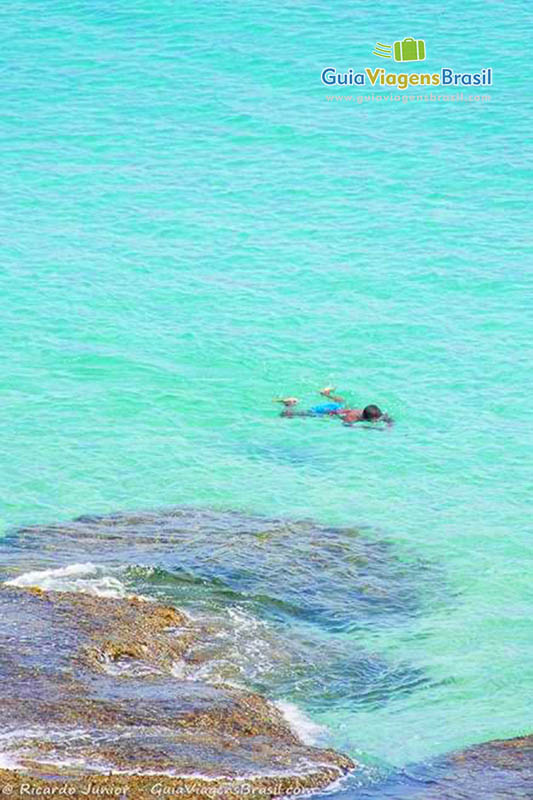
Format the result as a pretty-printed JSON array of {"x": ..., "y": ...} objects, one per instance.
[{"x": 189, "y": 229}]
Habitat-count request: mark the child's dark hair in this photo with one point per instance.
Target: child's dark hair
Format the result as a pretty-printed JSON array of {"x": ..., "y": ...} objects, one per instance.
[{"x": 372, "y": 413}]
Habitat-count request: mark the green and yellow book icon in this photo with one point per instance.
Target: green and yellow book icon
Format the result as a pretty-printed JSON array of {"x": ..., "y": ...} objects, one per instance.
[{"x": 407, "y": 49}]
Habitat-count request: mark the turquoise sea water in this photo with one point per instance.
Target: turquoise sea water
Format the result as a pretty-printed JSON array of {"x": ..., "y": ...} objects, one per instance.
[{"x": 189, "y": 229}]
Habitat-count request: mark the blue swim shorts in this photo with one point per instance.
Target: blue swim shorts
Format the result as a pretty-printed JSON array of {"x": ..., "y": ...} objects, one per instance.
[{"x": 325, "y": 408}]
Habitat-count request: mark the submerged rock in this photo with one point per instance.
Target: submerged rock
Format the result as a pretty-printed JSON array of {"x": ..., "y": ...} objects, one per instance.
[
  {"x": 496, "y": 770},
  {"x": 274, "y": 589},
  {"x": 88, "y": 687},
  {"x": 297, "y": 570}
]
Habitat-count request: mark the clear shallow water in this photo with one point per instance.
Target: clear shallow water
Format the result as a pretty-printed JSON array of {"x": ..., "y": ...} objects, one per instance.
[{"x": 189, "y": 229}]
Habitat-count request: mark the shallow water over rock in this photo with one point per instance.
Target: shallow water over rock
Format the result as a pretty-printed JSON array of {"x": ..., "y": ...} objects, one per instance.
[
  {"x": 344, "y": 578},
  {"x": 273, "y": 589}
]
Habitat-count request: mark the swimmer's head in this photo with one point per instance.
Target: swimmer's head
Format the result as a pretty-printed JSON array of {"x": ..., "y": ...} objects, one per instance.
[{"x": 372, "y": 413}]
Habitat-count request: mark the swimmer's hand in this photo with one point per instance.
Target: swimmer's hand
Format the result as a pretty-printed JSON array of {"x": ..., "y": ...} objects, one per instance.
[{"x": 327, "y": 390}]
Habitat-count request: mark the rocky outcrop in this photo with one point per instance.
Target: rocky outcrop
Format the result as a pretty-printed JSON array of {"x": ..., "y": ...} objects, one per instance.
[
  {"x": 274, "y": 590},
  {"x": 497, "y": 770},
  {"x": 90, "y": 687}
]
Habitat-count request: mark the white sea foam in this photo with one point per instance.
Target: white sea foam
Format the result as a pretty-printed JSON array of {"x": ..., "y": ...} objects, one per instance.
[
  {"x": 43, "y": 733},
  {"x": 85, "y": 578},
  {"x": 179, "y": 670},
  {"x": 14, "y": 743},
  {"x": 308, "y": 731},
  {"x": 7, "y": 761}
]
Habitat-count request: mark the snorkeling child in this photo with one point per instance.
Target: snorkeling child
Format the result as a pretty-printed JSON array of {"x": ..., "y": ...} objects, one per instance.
[{"x": 336, "y": 407}]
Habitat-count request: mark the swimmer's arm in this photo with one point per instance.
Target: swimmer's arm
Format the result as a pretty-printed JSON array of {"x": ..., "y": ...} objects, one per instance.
[{"x": 389, "y": 422}]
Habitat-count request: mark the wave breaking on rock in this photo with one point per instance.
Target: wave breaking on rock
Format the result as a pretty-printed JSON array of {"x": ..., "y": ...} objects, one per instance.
[{"x": 89, "y": 688}]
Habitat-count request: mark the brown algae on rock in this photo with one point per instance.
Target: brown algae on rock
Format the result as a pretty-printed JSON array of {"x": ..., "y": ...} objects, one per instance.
[{"x": 89, "y": 688}]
